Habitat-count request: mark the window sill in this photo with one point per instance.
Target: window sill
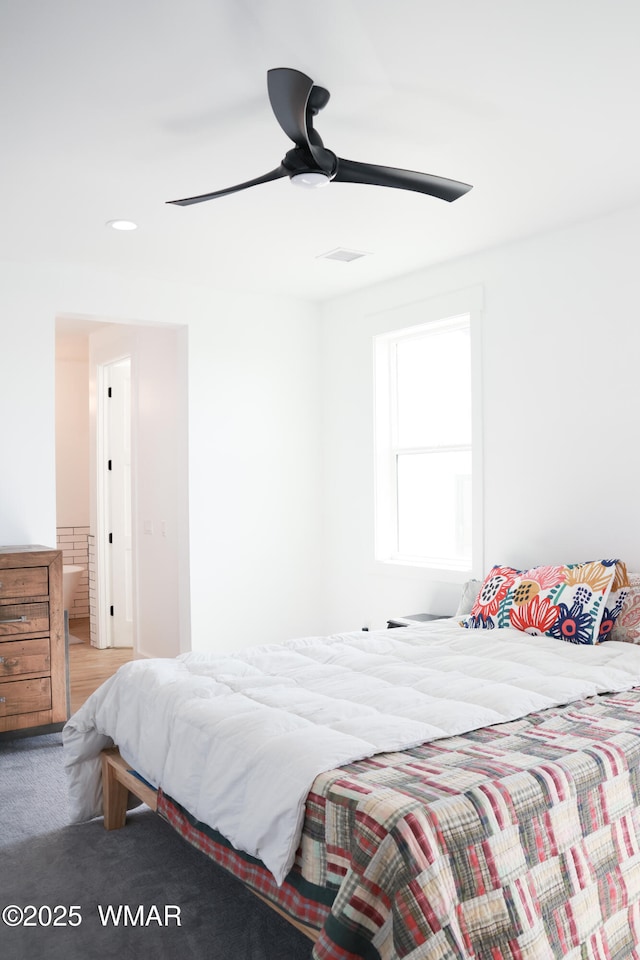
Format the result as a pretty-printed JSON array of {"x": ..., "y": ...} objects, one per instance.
[{"x": 422, "y": 571}]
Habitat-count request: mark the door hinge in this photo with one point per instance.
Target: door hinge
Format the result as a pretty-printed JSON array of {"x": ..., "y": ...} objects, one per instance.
[{"x": 111, "y": 610}]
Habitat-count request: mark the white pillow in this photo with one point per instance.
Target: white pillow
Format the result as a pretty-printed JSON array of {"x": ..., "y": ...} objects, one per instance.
[{"x": 470, "y": 591}]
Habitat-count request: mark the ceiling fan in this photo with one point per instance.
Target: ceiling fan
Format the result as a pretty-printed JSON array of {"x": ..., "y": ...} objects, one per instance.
[{"x": 295, "y": 101}]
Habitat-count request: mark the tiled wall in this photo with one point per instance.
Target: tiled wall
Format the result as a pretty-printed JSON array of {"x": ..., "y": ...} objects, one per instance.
[
  {"x": 73, "y": 541},
  {"x": 92, "y": 589}
]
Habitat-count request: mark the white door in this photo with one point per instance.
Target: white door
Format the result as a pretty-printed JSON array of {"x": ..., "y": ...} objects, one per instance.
[{"x": 117, "y": 489}]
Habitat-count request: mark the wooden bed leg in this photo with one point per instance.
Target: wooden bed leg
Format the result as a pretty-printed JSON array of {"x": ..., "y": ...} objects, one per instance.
[
  {"x": 114, "y": 795},
  {"x": 118, "y": 781}
]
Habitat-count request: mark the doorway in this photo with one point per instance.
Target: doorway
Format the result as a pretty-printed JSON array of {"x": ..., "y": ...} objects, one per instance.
[{"x": 142, "y": 502}]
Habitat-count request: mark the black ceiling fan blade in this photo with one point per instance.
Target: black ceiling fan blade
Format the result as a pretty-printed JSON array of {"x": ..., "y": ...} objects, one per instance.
[
  {"x": 350, "y": 171},
  {"x": 289, "y": 93},
  {"x": 272, "y": 175}
]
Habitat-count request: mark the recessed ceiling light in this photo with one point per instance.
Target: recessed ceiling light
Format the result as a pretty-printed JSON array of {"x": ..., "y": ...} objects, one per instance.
[{"x": 122, "y": 224}]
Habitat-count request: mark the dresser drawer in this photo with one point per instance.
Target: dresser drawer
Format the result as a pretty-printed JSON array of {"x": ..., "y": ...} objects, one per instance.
[
  {"x": 17, "y": 618},
  {"x": 24, "y": 656},
  {"x": 24, "y": 696},
  {"x": 17, "y": 582}
]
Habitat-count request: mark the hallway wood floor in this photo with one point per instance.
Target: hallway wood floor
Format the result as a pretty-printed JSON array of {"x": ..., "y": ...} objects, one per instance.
[{"x": 88, "y": 666}]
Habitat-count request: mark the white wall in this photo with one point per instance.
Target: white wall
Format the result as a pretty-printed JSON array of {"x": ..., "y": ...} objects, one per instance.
[
  {"x": 72, "y": 440},
  {"x": 255, "y": 462},
  {"x": 253, "y": 446},
  {"x": 161, "y": 491},
  {"x": 561, "y": 399},
  {"x": 27, "y": 396}
]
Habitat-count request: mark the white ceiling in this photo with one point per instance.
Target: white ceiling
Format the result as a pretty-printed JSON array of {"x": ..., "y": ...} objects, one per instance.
[{"x": 111, "y": 108}]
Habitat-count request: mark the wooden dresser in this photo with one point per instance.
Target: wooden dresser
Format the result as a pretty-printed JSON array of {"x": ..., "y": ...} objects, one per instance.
[{"x": 33, "y": 656}]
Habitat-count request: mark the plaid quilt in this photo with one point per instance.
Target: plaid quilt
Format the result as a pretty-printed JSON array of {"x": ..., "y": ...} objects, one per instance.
[{"x": 514, "y": 842}]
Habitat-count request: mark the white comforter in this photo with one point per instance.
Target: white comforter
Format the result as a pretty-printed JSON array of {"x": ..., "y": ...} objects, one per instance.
[{"x": 238, "y": 739}]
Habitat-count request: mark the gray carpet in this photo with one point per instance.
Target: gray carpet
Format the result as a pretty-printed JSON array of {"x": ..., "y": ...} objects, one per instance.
[{"x": 44, "y": 860}]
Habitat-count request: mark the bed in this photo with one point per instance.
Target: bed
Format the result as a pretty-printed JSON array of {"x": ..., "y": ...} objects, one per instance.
[
  {"x": 432, "y": 792},
  {"x": 429, "y": 792}
]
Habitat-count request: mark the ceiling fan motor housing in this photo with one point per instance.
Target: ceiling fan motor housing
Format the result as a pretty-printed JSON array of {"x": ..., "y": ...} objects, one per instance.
[{"x": 298, "y": 161}]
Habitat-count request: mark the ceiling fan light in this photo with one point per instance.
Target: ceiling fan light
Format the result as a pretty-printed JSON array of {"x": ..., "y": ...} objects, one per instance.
[{"x": 311, "y": 180}]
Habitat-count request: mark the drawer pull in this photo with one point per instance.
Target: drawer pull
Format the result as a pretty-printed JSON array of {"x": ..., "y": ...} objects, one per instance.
[
  {"x": 22, "y": 619},
  {"x": 1, "y": 659},
  {"x": 3, "y": 699}
]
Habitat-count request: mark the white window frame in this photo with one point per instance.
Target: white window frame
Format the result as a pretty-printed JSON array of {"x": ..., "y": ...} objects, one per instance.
[{"x": 427, "y": 316}]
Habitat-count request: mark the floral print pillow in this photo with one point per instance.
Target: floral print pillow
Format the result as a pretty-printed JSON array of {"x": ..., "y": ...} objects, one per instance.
[
  {"x": 577, "y": 602},
  {"x": 627, "y": 625}
]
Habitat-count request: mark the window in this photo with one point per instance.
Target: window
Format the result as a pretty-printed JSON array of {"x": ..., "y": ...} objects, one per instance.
[{"x": 427, "y": 450}]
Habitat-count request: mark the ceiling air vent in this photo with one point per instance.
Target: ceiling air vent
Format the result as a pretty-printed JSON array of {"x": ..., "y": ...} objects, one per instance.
[{"x": 343, "y": 254}]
